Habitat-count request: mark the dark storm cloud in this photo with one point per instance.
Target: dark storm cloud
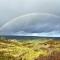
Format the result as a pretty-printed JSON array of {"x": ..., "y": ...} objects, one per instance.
[
  {"x": 46, "y": 23},
  {"x": 32, "y": 24}
]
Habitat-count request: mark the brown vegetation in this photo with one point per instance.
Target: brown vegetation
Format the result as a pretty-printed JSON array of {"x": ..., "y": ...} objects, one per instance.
[{"x": 54, "y": 56}]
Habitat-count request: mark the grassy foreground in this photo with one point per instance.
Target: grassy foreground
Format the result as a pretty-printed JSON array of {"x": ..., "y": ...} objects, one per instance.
[{"x": 29, "y": 50}]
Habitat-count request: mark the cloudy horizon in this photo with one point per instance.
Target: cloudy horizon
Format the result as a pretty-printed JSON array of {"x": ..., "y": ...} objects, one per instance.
[{"x": 30, "y": 17}]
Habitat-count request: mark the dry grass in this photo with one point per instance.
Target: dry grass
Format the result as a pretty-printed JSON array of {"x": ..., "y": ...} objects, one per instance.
[{"x": 30, "y": 50}]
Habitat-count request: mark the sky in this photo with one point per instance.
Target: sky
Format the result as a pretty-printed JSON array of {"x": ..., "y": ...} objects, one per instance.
[{"x": 30, "y": 17}]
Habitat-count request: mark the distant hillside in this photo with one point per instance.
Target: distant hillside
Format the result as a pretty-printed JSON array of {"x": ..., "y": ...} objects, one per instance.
[{"x": 28, "y": 37}]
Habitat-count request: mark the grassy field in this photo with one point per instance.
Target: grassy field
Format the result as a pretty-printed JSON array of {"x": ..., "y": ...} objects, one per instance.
[{"x": 30, "y": 49}]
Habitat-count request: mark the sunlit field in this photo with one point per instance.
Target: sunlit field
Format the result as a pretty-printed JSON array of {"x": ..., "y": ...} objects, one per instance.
[{"x": 36, "y": 49}]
